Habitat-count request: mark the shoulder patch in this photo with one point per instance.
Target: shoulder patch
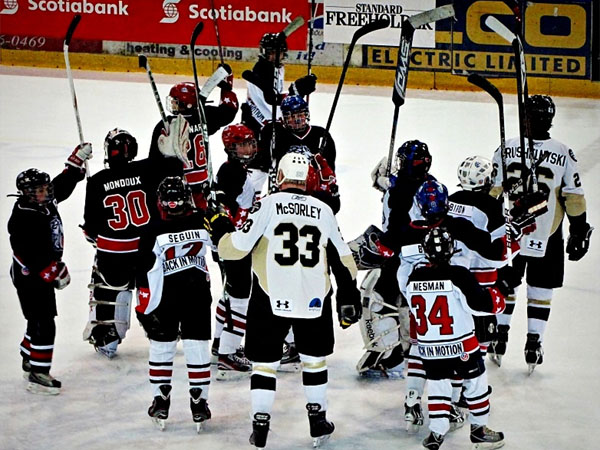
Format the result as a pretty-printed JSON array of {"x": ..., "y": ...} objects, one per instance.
[{"x": 572, "y": 155}]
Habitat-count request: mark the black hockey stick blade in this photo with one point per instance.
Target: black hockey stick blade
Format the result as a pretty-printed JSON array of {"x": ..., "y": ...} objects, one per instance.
[
  {"x": 485, "y": 85},
  {"x": 378, "y": 24},
  {"x": 197, "y": 30},
  {"x": 293, "y": 25},
  {"x": 143, "y": 61},
  {"x": 71, "y": 28}
]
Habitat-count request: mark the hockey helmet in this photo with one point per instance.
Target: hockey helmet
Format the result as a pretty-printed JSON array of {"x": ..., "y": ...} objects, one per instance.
[
  {"x": 475, "y": 173},
  {"x": 120, "y": 147},
  {"x": 174, "y": 197},
  {"x": 182, "y": 98},
  {"x": 239, "y": 142},
  {"x": 35, "y": 186},
  {"x": 293, "y": 168},
  {"x": 271, "y": 43},
  {"x": 432, "y": 198},
  {"x": 413, "y": 159},
  {"x": 438, "y": 246},
  {"x": 295, "y": 113}
]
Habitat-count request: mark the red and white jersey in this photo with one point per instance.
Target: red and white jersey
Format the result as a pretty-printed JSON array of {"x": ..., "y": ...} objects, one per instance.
[
  {"x": 557, "y": 175},
  {"x": 289, "y": 235}
]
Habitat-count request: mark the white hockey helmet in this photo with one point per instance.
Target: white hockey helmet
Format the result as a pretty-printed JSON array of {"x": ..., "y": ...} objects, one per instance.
[
  {"x": 292, "y": 168},
  {"x": 475, "y": 173}
]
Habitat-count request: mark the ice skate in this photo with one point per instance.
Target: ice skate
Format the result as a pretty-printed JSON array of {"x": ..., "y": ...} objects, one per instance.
[
  {"x": 433, "y": 441},
  {"x": 290, "y": 360},
  {"x": 43, "y": 383},
  {"x": 105, "y": 340},
  {"x": 369, "y": 367},
  {"x": 199, "y": 407},
  {"x": 413, "y": 414},
  {"x": 159, "y": 410},
  {"x": 484, "y": 438},
  {"x": 109, "y": 350},
  {"x": 214, "y": 350},
  {"x": 234, "y": 366},
  {"x": 260, "y": 429},
  {"x": 26, "y": 366},
  {"x": 497, "y": 348},
  {"x": 457, "y": 418},
  {"x": 320, "y": 427},
  {"x": 534, "y": 354}
]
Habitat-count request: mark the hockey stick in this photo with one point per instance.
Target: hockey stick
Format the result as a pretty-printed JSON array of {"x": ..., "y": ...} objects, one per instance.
[
  {"x": 202, "y": 116},
  {"x": 293, "y": 26},
  {"x": 365, "y": 29},
  {"x": 522, "y": 95},
  {"x": 218, "y": 75},
  {"x": 212, "y": 6},
  {"x": 311, "y": 27},
  {"x": 409, "y": 26},
  {"x": 488, "y": 87},
  {"x": 66, "y": 43},
  {"x": 143, "y": 63}
]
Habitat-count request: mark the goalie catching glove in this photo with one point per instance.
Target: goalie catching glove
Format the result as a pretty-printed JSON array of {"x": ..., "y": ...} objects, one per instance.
[
  {"x": 80, "y": 155},
  {"x": 381, "y": 180},
  {"x": 176, "y": 140}
]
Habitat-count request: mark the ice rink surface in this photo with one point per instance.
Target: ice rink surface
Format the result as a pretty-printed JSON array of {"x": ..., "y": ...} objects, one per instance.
[{"x": 103, "y": 403}]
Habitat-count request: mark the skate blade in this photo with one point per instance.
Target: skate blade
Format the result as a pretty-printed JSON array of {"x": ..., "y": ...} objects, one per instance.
[
  {"x": 199, "y": 427},
  {"x": 487, "y": 445},
  {"x": 456, "y": 425},
  {"x": 26, "y": 375},
  {"x": 36, "y": 388},
  {"x": 231, "y": 375},
  {"x": 496, "y": 359},
  {"x": 318, "y": 441},
  {"x": 412, "y": 428},
  {"x": 160, "y": 423},
  {"x": 531, "y": 368},
  {"x": 214, "y": 359},
  {"x": 378, "y": 374},
  {"x": 291, "y": 368}
]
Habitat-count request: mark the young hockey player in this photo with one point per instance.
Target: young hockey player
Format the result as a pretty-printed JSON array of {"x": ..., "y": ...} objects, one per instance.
[
  {"x": 294, "y": 239},
  {"x": 174, "y": 298},
  {"x": 36, "y": 238},
  {"x": 541, "y": 258},
  {"x": 119, "y": 203},
  {"x": 443, "y": 299}
]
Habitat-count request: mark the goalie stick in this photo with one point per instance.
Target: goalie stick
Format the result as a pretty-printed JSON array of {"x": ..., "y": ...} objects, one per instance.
[
  {"x": 409, "y": 26},
  {"x": 522, "y": 96},
  {"x": 66, "y": 43},
  {"x": 143, "y": 63},
  {"x": 488, "y": 87}
]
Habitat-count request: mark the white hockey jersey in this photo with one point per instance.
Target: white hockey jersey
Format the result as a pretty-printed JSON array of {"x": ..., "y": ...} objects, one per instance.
[
  {"x": 259, "y": 107},
  {"x": 288, "y": 235},
  {"x": 557, "y": 175}
]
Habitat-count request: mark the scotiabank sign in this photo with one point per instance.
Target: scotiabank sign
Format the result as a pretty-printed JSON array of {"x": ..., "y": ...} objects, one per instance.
[{"x": 241, "y": 22}]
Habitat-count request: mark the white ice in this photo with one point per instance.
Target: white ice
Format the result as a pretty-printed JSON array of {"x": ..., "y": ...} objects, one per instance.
[{"x": 103, "y": 403}]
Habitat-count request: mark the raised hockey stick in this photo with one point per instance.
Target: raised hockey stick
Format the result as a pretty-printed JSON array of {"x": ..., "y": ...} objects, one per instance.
[
  {"x": 66, "y": 43},
  {"x": 143, "y": 63},
  {"x": 218, "y": 36},
  {"x": 365, "y": 29},
  {"x": 311, "y": 26},
  {"x": 488, "y": 87},
  {"x": 409, "y": 26},
  {"x": 293, "y": 26},
  {"x": 522, "y": 95}
]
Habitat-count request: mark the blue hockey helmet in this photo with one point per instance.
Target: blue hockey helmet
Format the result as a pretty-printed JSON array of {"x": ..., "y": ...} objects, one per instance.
[
  {"x": 432, "y": 198},
  {"x": 295, "y": 112}
]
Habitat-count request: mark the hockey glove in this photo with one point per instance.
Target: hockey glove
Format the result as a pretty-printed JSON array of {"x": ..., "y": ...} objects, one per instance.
[
  {"x": 218, "y": 222},
  {"x": 533, "y": 203},
  {"x": 304, "y": 86},
  {"x": 227, "y": 83},
  {"x": 63, "y": 278},
  {"x": 350, "y": 308},
  {"x": 509, "y": 277},
  {"x": 524, "y": 224},
  {"x": 176, "y": 140},
  {"x": 498, "y": 299},
  {"x": 80, "y": 155},
  {"x": 578, "y": 243},
  {"x": 381, "y": 181}
]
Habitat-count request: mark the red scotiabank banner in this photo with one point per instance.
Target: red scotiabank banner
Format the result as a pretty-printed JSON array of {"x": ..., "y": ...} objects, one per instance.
[{"x": 241, "y": 22}]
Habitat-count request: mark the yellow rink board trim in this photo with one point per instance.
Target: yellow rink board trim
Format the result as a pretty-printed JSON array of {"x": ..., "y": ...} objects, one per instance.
[{"x": 326, "y": 74}]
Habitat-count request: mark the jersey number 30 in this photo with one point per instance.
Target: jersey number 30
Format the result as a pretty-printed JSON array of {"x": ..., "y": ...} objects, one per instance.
[{"x": 131, "y": 209}]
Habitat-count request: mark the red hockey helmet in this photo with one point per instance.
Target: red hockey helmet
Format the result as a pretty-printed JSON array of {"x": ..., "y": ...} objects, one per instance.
[
  {"x": 182, "y": 98},
  {"x": 240, "y": 142}
]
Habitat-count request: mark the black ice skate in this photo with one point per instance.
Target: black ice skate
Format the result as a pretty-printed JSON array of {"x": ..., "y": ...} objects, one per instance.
[
  {"x": 43, "y": 383},
  {"x": 483, "y": 437},
  {"x": 234, "y": 366},
  {"x": 199, "y": 407},
  {"x": 497, "y": 349},
  {"x": 290, "y": 359},
  {"x": 26, "y": 366},
  {"x": 413, "y": 415},
  {"x": 214, "y": 350},
  {"x": 534, "y": 354},
  {"x": 159, "y": 410},
  {"x": 260, "y": 430},
  {"x": 457, "y": 418},
  {"x": 320, "y": 427},
  {"x": 433, "y": 441}
]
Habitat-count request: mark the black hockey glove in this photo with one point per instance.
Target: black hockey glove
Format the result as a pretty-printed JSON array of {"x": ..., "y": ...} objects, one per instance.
[
  {"x": 305, "y": 85},
  {"x": 218, "y": 221},
  {"x": 578, "y": 243},
  {"x": 227, "y": 83},
  {"x": 531, "y": 203},
  {"x": 510, "y": 278},
  {"x": 349, "y": 307}
]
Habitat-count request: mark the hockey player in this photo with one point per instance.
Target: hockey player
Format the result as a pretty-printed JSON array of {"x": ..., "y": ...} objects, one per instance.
[
  {"x": 182, "y": 102},
  {"x": 174, "y": 298},
  {"x": 294, "y": 239},
  {"x": 542, "y": 252},
  {"x": 119, "y": 203},
  {"x": 36, "y": 238},
  {"x": 442, "y": 299}
]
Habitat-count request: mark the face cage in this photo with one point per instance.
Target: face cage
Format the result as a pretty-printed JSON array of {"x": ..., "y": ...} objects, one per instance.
[
  {"x": 175, "y": 106},
  {"x": 297, "y": 121},
  {"x": 269, "y": 55},
  {"x": 233, "y": 151},
  {"x": 31, "y": 194}
]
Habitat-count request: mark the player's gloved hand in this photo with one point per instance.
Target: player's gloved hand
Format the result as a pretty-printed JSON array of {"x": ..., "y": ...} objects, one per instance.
[
  {"x": 176, "y": 140},
  {"x": 524, "y": 224},
  {"x": 498, "y": 298},
  {"x": 305, "y": 85},
  {"x": 349, "y": 308},
  {"x": 533, "y": 203},
  {"x": 327, "y": 180},
  {"x": 80, "y": 155},
  {"x": 63, "y": 278},
  {"x": 578, "y": 243},
  {"x": 218, "y": 221},
  {"x": 510, "y": 278},
  {"x": 227, "y": 83},
  {"x": 381, "y": 181}
]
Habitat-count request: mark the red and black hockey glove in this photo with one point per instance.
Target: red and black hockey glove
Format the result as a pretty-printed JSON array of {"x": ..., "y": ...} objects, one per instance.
[{"x": 80, "y": 155}]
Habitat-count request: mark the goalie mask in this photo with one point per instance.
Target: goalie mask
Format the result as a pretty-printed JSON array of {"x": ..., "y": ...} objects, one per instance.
[
  {"x": 438, "y": 246},
  {"x": 35, "y": 186},
  {"x": 295, "y": 113},
  {"x": 240, "y": 143},
  {"x": 476, "y": 173},
  {"x": 540, "y": 112},
  {"x": 432, "y": 198},
  {"x": 293, "y": 169},
  {"x": 174, "y": 198},
  {"x": 182, "y": 98},
  {"x": 271, "y": 43},
  {"x": 120, "y": 147},
  {"x": 413, "y": 159}
]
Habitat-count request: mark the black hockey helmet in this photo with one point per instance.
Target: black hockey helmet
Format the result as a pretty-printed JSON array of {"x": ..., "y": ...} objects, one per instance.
[
  {"x": 540, "y": 112},
  {"x": 413, "y": 159},
  {"x": 120, "y": 147},
  {"x": 35, "y": 186},
  {"x": 271, "y": 43},
  {"x": 438, "y": 246},
  {"x": 174, "y": 197}
]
